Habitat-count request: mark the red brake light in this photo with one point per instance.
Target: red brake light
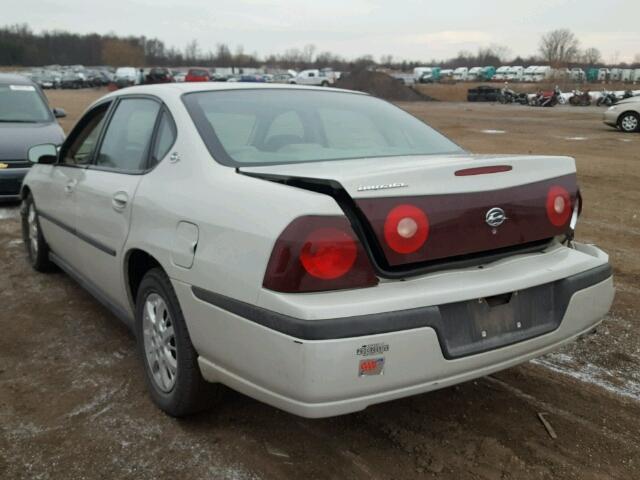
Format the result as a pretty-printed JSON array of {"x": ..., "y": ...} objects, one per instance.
[
  {"x": 558, "y": 206},
  {"x": 406, "y": 229},
  {"x": 328, "y": 253},
  {"x": 318, "y": 253}
]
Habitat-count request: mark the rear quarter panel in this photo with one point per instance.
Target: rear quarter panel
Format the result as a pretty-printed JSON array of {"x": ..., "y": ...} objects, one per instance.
[{"x": 238, "y": 217}]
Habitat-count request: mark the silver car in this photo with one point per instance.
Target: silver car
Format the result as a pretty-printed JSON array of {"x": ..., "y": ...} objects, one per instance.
[
  {"x": 317, "y": 249},
  {"x": 624, "y": 115}
]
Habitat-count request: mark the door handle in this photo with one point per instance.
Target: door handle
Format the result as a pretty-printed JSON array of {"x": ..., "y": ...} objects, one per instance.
[
  {"x": 68, "y": 188},
  {"x": 119, "y": 201}
]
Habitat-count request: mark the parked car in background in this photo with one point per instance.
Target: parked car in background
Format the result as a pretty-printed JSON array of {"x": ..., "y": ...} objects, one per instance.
[
  {"x": 158, "y": 75},
  {"x": 282, "y": 78},
  {"x": 197, "y": 75},
  {"x": 319, "y": 78},
  {"x": 25, "y": 120},
  {"x": 625, "y": 115},
  {"x": 71, "y": 80},
  {"x": 126, "y": 77},
  {"x": 483, "y": 93},
  {"x": 319, "y": 250},
  {"x": 179, "y": 75}
]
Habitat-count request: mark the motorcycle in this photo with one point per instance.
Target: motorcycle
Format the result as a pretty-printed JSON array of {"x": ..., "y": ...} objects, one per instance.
[
  {"x": 509, "y": 96},
  {"x": 607, "y": 99},
  {"x": 547, "y": 99},
  {"x": 580, "y": 99}
]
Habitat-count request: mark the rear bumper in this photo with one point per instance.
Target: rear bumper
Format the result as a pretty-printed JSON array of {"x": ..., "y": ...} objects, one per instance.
[
  {"x": 319, "y": 378},
  {"x": 11, "y": 182}
]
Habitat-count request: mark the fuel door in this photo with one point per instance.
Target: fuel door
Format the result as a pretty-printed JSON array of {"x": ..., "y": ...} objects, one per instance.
[{"x": 185, "y": 244}]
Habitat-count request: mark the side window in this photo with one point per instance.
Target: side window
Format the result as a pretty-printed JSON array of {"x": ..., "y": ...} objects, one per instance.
[
  {"x": 164, "y": 139},
  {"x": 126, "y": 142},
  {"x": 84, "y": 138}
]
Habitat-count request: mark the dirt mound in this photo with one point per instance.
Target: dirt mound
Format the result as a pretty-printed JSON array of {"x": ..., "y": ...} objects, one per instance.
[{"x": 381, "y": 85}]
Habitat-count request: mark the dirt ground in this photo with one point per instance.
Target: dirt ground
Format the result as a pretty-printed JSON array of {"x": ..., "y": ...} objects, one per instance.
[{"x": 73, "y": 403}]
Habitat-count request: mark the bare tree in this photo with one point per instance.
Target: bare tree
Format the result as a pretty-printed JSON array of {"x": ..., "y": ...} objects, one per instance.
[
  {"x": 592, "y": 56},
  {"x": 192, "y": 51},
  {"x": 308, "y": 52},
  {"x": 502, "y": 52},
  {"x": 559, "y": 47}
]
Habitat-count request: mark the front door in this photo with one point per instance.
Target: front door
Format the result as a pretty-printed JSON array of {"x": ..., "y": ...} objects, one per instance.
[
  {"x": 105, "y": 194},
  {"x": 55, "y": 186}
]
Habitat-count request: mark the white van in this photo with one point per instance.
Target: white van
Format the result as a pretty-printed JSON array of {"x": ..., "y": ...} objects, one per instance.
[
  {"x": 541, "y": 74},
  {"x": 474, "y": 73},
  {"x": 604, "y": 74},
  {"x": 529, "y": 74},
  {"x": 578, "y": 75},
  {"x": 501, "y": 73},
  {"x": 515, "y": 74},
  {"x": 616, "y": 75},
  {"x": 461, "y": 74}
]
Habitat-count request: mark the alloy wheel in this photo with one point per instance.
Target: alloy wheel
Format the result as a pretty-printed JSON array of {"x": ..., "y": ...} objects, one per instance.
[
  {"x": 629, "y": 123},
  {"x": 160, "y": 342},
  {"x": 32, "y": 219}
]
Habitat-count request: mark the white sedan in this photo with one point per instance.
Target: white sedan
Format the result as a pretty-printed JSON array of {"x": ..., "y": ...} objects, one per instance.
[{"x": 319, "y": 250}]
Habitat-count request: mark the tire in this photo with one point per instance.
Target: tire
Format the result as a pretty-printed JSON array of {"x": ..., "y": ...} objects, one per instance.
[
  {"x": 171, "y": 367},
  {"x": 34, "y": 243},
  {"x": 629, "y": 122},
  {"x": 324, "y": 84}
]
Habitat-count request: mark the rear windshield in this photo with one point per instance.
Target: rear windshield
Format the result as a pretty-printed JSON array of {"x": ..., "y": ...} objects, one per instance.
[
  {"x": 269, "y": 126},
  {"x": 22, "y": 103},
  {"x": 198, "y": 73}
]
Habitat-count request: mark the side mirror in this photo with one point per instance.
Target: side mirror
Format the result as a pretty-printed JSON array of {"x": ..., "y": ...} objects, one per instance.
[
  {"x": 46, "y": 154},
  {"x": 59, "y": 113}
]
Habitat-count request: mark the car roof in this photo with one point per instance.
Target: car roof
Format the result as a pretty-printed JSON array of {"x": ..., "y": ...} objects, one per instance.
[{"x": 14, "y": 79}]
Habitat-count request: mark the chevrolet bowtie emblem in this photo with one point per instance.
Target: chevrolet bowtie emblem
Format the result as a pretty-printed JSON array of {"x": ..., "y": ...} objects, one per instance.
[{"x": 3, "y": 166}]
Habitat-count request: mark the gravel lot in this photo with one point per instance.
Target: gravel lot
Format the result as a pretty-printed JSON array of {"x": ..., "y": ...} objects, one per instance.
[{"x": 73, "y": 403}]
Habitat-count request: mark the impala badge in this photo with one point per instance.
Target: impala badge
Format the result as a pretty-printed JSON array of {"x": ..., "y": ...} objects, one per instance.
[
  {"x": 495, "y": 217},
  {"x": 367, "y": 188}
]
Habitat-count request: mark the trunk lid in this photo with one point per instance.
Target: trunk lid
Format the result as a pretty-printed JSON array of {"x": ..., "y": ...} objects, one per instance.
[{"x": 457, "y": 194}]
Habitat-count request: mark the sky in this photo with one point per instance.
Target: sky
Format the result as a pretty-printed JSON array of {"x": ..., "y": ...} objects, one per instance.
[{"x": 406, "y": 29}]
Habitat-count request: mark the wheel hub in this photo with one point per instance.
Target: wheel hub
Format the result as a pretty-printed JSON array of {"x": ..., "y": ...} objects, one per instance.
[
  {"x": 32, "y": 220},
  {"x": 159, "y": 342}
]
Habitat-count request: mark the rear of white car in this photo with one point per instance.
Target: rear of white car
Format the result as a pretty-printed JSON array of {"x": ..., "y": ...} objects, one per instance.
[{"x": 328, "y": 251}]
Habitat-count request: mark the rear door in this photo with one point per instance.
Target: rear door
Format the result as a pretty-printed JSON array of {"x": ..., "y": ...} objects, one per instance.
[
  {"x": 104, "y": 195},
  {"x": 55, "y": 186}
]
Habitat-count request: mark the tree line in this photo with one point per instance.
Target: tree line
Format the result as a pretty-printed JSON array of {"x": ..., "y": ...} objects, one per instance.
[{"x": 20, "y": 46}]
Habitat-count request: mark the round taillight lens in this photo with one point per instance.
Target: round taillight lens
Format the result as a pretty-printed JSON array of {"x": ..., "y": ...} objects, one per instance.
[
  {"x": 328, "y": 253},
  {"x": 406, "y": 229},
  {"x": 558, "y": 206}
]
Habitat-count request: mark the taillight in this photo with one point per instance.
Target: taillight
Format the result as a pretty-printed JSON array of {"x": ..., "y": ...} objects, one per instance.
[
  {"x": 558, "y": 206},
  {"x": 328, "y": 253},
  {"x": 406, "y": 229},
  {"x": 318, "y": 253}
]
